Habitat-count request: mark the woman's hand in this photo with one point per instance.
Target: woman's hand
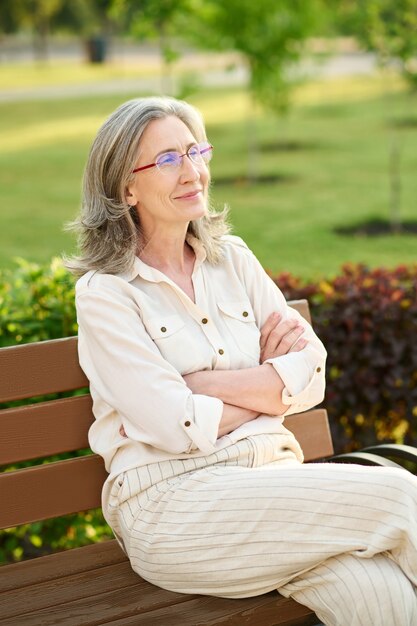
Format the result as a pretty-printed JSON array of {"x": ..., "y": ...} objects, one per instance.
[{"x": 278, "y": 337}]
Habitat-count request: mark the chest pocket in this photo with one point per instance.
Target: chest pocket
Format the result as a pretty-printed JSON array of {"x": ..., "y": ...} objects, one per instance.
[
  {"x": 161, "y": 328},
  {"x": 240, "y": 320},
  {"x": 178, "y": 342}
]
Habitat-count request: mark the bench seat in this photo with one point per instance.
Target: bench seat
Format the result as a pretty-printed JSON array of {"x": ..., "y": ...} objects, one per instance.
[{"x": 96, "y": 585}]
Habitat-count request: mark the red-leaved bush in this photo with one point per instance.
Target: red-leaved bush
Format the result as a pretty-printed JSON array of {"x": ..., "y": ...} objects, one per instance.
[{"x": 367, "y": 319}]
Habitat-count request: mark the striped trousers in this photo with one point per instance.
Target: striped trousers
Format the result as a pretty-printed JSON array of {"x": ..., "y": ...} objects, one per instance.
[{"x": 340, "y": 539}]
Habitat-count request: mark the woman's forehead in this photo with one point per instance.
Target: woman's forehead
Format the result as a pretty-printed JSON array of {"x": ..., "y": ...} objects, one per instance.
[{"x": 166, "y": 133}]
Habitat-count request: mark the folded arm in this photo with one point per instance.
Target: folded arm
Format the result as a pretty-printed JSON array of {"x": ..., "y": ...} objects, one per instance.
[{"x": 247, "y": 393}]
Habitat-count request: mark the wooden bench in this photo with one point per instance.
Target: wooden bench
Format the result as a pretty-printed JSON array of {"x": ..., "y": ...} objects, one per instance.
[{"x": 95, "y": 584}]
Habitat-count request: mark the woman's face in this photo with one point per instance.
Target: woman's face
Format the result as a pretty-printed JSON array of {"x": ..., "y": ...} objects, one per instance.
[{"x": 173, "y": 197}]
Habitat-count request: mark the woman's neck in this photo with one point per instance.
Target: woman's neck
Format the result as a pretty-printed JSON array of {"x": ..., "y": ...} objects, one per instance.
[{"x": 169, "y": 254}]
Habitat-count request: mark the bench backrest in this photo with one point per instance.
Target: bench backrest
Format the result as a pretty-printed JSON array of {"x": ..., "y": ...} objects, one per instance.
[{"x": 47, "y": 428}]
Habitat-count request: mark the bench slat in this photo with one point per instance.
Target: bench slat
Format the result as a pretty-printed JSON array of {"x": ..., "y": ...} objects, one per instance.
[
  {"x": 35, "y": 369},
  {"x": 267, "y": 610},
  {"x": 40, "y": 430},
  {"x": 51, "y": 490},
  {"x": 104, "y": 607},
  {"x": 144, "y": 604},
  {"x": 75, "y": 561},
  {"x": 67, "y": 588},
  {"x": 55, "y": 489}
]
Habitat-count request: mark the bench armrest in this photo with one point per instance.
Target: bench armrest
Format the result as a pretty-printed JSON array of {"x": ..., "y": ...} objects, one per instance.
[
  {"x": 363, "y": 458},
  {"x": 407, "y": 455}
]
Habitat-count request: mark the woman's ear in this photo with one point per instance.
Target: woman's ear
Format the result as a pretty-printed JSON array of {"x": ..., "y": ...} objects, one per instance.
[{"x": 131, "y": 197}]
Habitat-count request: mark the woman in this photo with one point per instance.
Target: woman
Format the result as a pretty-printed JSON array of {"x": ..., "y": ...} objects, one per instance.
[{"x": 194, "y": 360}]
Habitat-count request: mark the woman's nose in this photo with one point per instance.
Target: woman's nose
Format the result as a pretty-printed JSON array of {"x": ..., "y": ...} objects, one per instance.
[{"x": 189, "y": 169}]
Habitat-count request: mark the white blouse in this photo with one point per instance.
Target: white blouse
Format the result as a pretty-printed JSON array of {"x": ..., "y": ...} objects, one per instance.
[{"x": 139, "y": 333}]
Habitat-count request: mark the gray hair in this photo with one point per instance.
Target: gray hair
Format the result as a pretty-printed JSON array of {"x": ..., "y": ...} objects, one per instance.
[{"x": 109, "y": 233}]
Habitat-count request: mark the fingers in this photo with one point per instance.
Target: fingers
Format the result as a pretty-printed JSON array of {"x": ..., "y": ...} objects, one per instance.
[
  {"x": 274, "y": 330},
  {"x": 268, "y": 326},
  {"x": 278, "y": 338},
  {"x": 285, "y": 336},
  {"x": 299, "y": 345},
  {"x": 283, "y": 330}
]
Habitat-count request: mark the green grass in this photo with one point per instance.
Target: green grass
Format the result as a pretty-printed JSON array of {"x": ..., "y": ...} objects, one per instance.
[
  {"x": 331, "y": 151},
  {"x": 52, "y": 72},
  {"x": 34, "y": 75}
]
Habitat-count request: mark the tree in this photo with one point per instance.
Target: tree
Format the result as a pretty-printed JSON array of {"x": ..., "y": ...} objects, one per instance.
[
  {"x": 389, "y": 27},
  {"x": 9, "y": 16},
  {"x": 269, "y": 34},
  {"x": 270, "y": 37},
  {"x": 38, "y": 15},
  {"x": 155, "y": 20}
]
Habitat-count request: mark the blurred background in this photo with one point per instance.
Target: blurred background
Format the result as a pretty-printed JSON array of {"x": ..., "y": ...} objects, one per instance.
[{"x": 310, "y": 106}]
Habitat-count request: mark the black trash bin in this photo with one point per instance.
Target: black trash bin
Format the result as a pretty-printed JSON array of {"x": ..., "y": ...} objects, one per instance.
[{"x": 96, "y": 49}]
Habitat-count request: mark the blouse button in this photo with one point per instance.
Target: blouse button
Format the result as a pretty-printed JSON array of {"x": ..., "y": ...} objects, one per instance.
[
  {"x": 204, "y": 320},
  {"x": 221, "y": 351},
  {"x": 245, "y": 314},
  {"x": 318, "y": 369},
  {"x": 163, "y": 329},
  {"x": 187, "y": 423}
]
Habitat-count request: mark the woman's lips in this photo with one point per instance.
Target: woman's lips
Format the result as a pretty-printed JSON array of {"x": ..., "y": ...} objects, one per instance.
[{"x": 190, "y": 195}]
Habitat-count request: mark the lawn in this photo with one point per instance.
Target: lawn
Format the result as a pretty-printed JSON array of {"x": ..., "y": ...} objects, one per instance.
[{"x": 329, "y": 157}]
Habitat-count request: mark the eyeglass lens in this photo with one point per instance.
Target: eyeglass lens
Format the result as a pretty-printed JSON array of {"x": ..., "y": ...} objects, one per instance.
[{"x": 198, "y": 154}]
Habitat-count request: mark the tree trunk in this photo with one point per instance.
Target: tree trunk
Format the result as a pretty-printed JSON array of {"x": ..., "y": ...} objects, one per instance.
[
  {"x": 253, "y": 142},
  {"x": 395, "y": 182},
  {"x": 166, "y": 66},
  {"x": 40, "y": 40}
]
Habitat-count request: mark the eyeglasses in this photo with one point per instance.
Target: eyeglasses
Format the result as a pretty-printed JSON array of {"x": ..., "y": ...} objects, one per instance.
[{"x": 198, "y": 153}]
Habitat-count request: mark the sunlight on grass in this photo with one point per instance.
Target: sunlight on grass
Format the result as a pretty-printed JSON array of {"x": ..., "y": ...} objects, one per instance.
[
  {"x": 222, "y": 108},
  {"x": 34, "y": 75},
  {"x": 349, "y": 89},
  {"x": 49, "y": 133},
  {"x": 39, "y": 75},
  {"x": 236, "y": 106}
]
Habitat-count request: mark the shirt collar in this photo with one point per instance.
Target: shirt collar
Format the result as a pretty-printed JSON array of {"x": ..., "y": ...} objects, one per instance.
[{"x": 142, "y": 269}]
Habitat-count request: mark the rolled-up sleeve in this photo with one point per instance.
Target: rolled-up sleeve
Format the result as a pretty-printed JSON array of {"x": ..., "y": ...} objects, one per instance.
[
  {"x": 128, "y": 372},
  {"x": 303, "y": 378},
  {"x": 303, "y": 372}
]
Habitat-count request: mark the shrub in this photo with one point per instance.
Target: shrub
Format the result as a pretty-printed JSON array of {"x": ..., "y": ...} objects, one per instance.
[
  {"x": 37, "y": 303},
  {"x": 367, "y": 320}
]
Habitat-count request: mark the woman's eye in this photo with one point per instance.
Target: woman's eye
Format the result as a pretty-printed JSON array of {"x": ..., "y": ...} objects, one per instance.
[
  {"x": 167, "y": 159},
  {"x": 194, "y": 151}
]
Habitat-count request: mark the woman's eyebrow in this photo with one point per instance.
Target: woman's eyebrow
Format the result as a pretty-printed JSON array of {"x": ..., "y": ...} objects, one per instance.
[{"x": 192, "y": 143}]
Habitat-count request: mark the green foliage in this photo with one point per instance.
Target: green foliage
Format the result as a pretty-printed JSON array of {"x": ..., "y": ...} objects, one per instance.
[
  {"x": 367, "y": 319},
  {"x": 36, "y": 303},
  {"x": 269, "y": 34},
  {"x": 70, "y": 531},
  {"x": 154, "y": 20},
  {"x": 387, "y": 27},
  {"x": 42, "y": 17}
]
